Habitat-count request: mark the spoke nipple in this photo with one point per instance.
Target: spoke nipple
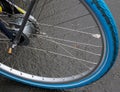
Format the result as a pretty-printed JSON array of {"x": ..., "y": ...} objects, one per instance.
[{"x": 96, "y": 36}]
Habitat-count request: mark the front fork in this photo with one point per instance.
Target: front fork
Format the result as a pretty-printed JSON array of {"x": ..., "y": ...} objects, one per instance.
[{"x": 25, "y": 19}]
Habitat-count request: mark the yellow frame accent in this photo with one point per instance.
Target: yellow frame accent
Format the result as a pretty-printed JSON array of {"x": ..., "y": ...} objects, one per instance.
[
  {"x": 0, "y": 9},
  {"x": 20, "y": 9}
]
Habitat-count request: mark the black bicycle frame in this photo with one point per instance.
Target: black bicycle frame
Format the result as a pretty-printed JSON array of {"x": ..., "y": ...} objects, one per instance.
[{"x": 25, "y": 19}]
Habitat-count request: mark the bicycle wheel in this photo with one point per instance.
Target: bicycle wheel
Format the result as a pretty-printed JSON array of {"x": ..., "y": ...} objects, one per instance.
[{"x": 74, "y": 43}]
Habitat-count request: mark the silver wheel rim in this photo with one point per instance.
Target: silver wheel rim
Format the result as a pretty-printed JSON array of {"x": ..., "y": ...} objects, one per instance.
[{"x": 55, "y": 80}]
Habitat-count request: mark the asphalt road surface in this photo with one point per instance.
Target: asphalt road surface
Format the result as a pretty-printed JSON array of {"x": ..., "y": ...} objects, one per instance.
[{"x": 109, "y": 83}]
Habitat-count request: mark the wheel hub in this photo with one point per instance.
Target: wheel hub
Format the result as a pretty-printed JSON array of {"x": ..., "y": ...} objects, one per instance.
[{"x": 28, "y": 30}]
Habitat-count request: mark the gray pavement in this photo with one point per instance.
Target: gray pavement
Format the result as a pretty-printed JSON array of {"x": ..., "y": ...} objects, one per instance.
[{"x": 109, "y": 83}]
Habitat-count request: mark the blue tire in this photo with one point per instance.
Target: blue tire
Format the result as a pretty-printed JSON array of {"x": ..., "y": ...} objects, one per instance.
[{"x": 106, "y": 20}]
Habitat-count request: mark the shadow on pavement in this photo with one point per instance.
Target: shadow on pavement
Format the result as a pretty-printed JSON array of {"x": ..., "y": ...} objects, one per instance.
[{"x": 7, "y": 85}]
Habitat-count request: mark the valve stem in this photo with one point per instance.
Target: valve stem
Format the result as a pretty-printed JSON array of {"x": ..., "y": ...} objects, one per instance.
[{"x": 10, "y": 49}]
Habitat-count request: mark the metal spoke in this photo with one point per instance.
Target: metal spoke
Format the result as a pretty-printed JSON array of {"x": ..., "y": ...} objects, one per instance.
[
  {"x": 90, "y": 62},
  {"x": 73, "y": 30},
  {"x": 10, "y": 56},
  {"x": 42, "y": 8},
  {"x": 4, "y": 39},
  {"x": 72, "y": 47},
  {"x": 64, "y": 40},
  {"x": 73, "y": 19},
  {"x": 58, "y": 12},
  {"x": 14, "y": 62},
  {"x": 69, "y": 53},
  {"x": 3, "y": 35}
]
